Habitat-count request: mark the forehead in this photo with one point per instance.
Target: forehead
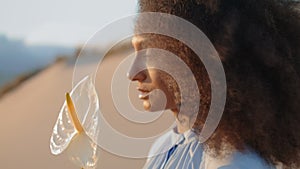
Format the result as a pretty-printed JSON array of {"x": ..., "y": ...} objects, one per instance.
[
  {"x": 150, "y": 40},
  {"x": 137, "y": 39},
  {"x": 142, "y": 41}
]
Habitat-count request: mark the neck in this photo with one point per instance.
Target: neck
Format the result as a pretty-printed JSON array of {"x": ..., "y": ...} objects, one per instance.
[{"x": 183, "y": 121}]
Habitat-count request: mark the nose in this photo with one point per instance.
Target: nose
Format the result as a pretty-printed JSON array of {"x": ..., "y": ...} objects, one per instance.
[
  {"x": 140, "y": 76},
  {"x": 137, "y": 71}
]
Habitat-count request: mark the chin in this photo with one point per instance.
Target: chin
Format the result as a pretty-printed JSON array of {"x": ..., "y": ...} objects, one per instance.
[
  {"x": 147, "y": 105},
  {"x": 153, "y": 107}
]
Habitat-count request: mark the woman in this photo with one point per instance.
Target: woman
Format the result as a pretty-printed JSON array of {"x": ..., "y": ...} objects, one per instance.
[{"x": 258, "y": 43}]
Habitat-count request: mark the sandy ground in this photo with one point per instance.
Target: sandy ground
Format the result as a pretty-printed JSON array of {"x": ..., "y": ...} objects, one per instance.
[{"x": 28, "y": 115}]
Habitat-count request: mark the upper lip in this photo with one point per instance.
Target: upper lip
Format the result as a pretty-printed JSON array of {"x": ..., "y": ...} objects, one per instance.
[
  {"x": 144, "y": 93},
  {"x": 143, "y": 90}
]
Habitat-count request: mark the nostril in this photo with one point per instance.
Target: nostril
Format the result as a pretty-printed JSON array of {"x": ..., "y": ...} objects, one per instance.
[
  {"x": 140, "y": 76},
  {"x": 131, "y": 75}
]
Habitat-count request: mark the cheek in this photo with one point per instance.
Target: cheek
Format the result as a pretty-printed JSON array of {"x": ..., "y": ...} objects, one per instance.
[
  {"x": 169, "y": 87},
  {"x": 158, "y": 80},
  {"x": 157, "y": 101}
]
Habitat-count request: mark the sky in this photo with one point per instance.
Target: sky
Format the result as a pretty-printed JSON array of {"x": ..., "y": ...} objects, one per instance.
[{"x": 59, "y": 22}]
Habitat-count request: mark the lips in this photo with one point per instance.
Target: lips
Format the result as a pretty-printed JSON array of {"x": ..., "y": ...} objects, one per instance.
[{"x": 144, "y": 93}]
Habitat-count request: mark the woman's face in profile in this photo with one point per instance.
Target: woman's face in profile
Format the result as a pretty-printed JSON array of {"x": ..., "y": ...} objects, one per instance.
[{"x": 152, "y": 84}]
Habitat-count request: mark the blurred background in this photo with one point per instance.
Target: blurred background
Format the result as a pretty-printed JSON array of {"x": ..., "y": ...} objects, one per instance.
[
  {"x": 39, "y": 42},
  {"x": 34, "y": 33}
]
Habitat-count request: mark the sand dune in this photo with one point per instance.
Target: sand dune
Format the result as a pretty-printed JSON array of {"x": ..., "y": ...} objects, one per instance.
[{"x": 30, "y": 111}]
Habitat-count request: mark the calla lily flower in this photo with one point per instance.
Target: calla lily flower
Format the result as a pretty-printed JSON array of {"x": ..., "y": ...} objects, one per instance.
[{"x": 76, "y": 128}]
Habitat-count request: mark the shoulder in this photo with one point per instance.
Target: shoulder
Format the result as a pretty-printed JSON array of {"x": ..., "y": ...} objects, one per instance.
[
  {"x": 187, "y": 154},
  {"x": 161, "y": 144},
  {"x": 246, "y": 160}
]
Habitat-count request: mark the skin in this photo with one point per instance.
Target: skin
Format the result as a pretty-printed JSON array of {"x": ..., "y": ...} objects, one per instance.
[{"x": 149, "y": 81}]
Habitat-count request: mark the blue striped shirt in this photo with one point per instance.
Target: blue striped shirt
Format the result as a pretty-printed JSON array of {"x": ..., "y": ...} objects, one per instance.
[{"x": 174, "y": 150}]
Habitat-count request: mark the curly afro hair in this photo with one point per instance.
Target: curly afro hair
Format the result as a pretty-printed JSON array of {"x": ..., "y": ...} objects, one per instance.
[{"x": 258, "y": 43}]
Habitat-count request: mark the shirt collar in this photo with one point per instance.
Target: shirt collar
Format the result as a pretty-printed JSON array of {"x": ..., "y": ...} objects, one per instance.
[{"x": 183, "y": 138}]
